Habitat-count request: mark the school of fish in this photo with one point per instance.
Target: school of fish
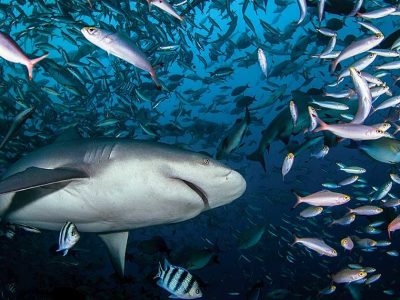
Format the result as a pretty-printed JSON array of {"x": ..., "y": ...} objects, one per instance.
[{"x": 301, "y": 96}]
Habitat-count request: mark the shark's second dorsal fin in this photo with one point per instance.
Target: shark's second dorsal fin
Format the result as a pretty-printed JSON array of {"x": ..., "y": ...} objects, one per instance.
[
  {"x": 68, "y": 135},
  {"x": 116, "y": 246},
  {"x": 34, "y": 177}
]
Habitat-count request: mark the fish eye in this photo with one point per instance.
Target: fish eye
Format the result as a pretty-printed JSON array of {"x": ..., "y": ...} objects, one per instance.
[
  {"x": 73, "y": 233},
  {"x": 361, "y": 274},
  {"x": 378, "y": 35},
  {"x": 206, "y": 161},
  {"x": 345, "y": 242},
  {"x": 197, "y": 291},
  {"x": 91, "y": 30}
]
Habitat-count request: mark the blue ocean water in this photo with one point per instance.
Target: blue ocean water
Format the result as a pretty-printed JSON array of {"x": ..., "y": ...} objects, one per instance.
[{"x": 81, "y": 86}]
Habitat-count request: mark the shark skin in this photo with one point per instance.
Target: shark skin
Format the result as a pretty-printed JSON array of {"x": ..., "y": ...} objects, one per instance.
[{"x": 111, "y": 186}]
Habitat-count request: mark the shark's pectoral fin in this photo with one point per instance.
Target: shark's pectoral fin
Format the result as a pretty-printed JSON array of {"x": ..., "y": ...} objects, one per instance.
[
  {"x": 116, "y": 246},
  {"x": 36, "y": 177}
]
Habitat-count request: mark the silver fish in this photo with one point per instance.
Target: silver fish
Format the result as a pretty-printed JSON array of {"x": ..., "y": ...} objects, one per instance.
[
  {"x": 9, "y": 50},
  {"x": 121, "y": 47},
  {"x": 68, "y": 237},
  {"x": 358, "y": 47},
  {"x": 165, "y": 6}
]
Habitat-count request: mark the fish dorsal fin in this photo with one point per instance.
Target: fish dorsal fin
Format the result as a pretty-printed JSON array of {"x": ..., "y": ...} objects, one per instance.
[
  {"x": 68, "y": 135},
  {"x": 37, "y": 177},
  {"x": 116, "y": 246},
  {"x": 166, "y": 264}
]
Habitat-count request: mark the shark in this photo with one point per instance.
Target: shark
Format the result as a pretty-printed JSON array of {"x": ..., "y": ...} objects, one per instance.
[{"x": 111, "y": 186}]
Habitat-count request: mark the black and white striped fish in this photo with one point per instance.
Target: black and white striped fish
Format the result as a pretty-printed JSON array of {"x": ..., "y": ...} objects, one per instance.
[
  {"x": 178, "y": 281},
  {"x": 68, "y": 237}
]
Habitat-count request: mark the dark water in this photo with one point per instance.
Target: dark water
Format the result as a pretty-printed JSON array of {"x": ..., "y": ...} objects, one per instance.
[{"x": 103, "y": 96}]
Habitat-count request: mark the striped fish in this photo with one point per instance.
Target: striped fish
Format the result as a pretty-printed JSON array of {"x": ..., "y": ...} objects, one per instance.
[
  {"x": 69, "y": 236},
  {"x": 178, "y": 281}
]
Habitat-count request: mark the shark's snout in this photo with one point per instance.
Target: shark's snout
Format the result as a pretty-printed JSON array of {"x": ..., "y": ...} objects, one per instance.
[{"x": 229, "y": 188}]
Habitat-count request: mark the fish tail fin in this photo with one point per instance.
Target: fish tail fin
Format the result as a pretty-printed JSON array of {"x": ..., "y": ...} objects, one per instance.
[
  {"x": 331, "y": 223},
  {"x": 322, "y": 125},
  {"x": 397, "y": 129},
  {"x": 340, "y": 165},
  {"x": 349, "y": 210},
  {"x": 313, "y": 24},
  {"x": 247, "y": 115},
  {"x": 296, "y": 239},
  {"x": 160, "y": 271},
  {"x": 298, "y": 199},
  {"x": 155, "y": 79},
  {"x": 334, "y": 65},
  {"x": 258, "y": 156},
  {"x": 166, "y": 263},
  {"x": 32, "y": 63}
]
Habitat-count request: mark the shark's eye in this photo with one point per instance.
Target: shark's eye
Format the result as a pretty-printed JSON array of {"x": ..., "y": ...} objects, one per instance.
[{"x": 206, "y": 161}]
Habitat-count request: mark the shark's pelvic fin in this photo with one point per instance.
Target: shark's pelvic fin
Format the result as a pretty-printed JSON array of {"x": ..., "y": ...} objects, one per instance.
[
  {"x": 116, "y": 246},
  {"x": 36, "y": 177}
]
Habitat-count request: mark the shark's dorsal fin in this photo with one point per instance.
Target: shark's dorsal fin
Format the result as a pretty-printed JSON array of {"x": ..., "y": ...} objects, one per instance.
[
  {"x": 68, "y": 135},
  {"x": 116, "y": 246},
  {"x": 36, "y": 177}
]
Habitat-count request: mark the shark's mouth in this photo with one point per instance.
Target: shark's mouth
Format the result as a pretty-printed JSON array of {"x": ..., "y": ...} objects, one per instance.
[{"x": 198, "y": 191}]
